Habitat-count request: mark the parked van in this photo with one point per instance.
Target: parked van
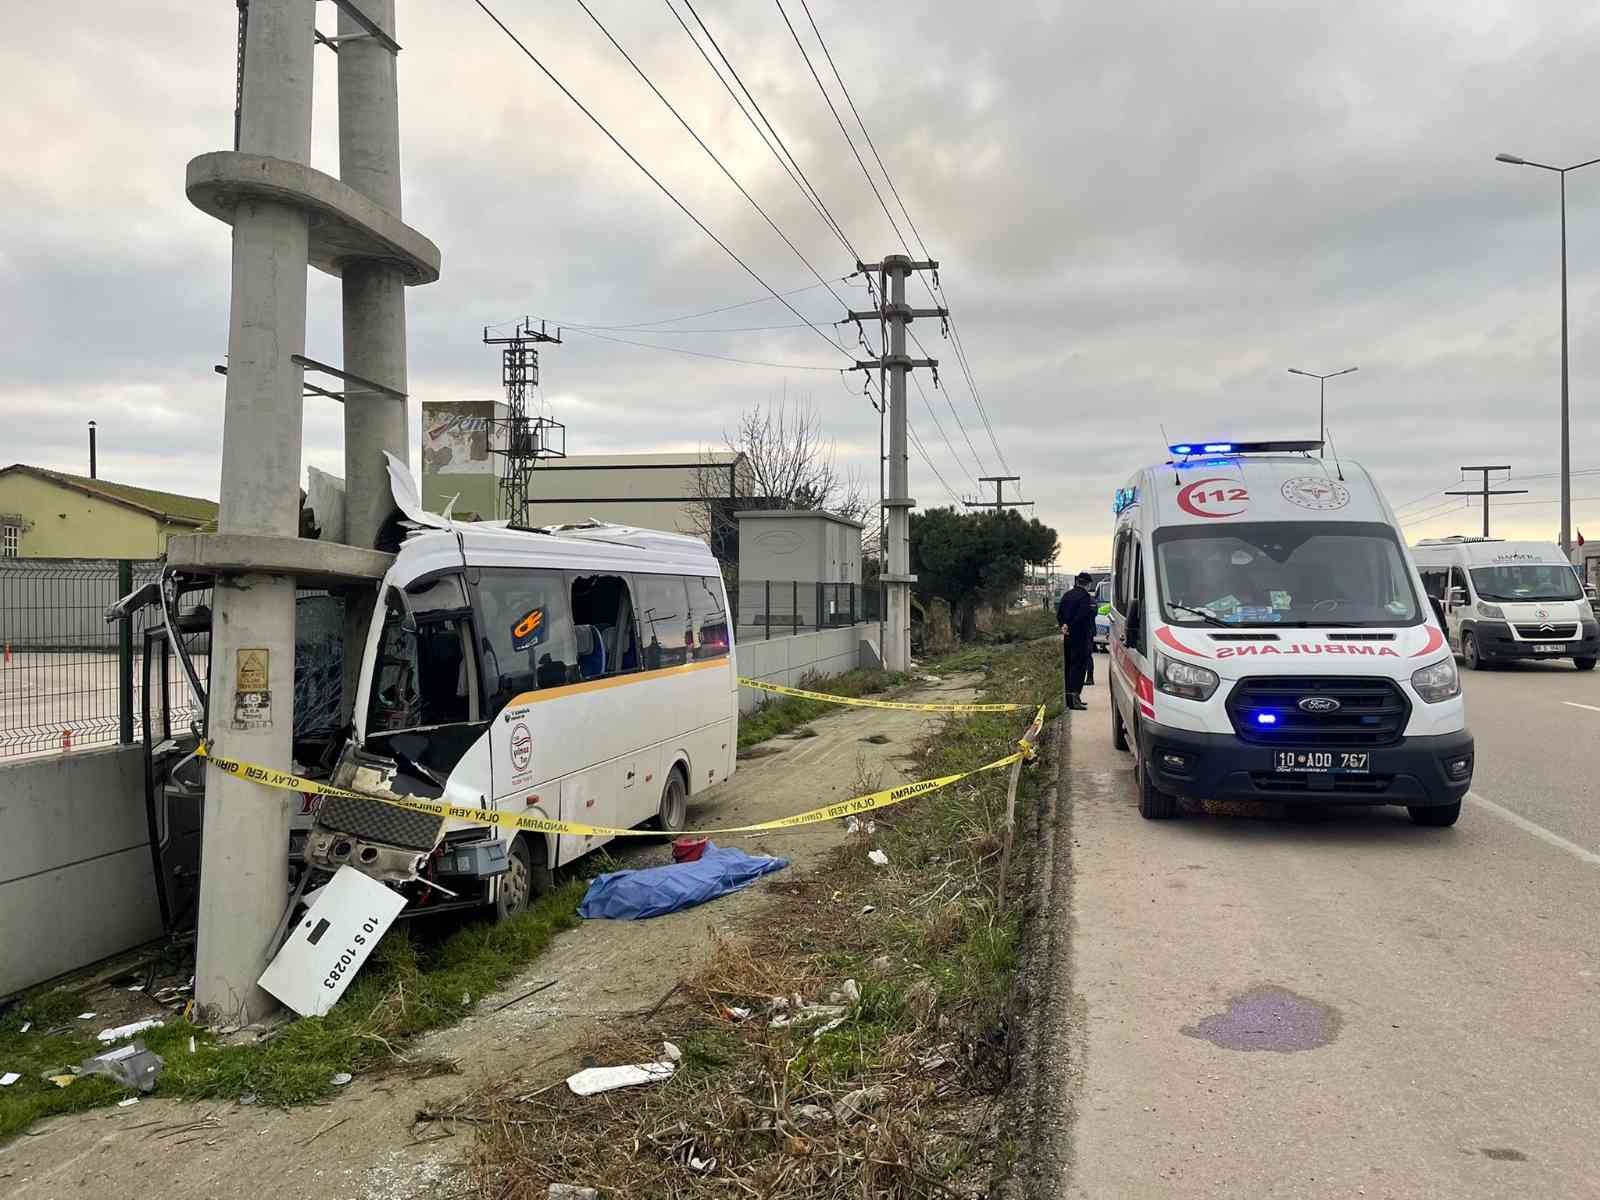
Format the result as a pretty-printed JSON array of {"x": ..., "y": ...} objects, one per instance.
[
  {"x": 1271, "y": 639},
  {"x": 582, "y": 673},
  {"x": 1509, "y": 600}
]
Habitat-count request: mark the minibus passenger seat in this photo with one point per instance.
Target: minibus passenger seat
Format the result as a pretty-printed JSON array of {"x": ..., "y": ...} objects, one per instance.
[{"x": 591, "y": 652}]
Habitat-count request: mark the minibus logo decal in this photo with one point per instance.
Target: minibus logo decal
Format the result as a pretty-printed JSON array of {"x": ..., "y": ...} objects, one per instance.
[
  {"x": 1213, "y": 498},
  {"x": 521, "y": 746},
  {"x": 1315, "y": 492},
  {"x": 529, "y": 631}
]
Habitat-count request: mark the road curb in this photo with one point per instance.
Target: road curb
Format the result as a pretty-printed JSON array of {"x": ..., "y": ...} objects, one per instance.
[{"x": 1038, "y": 1106}]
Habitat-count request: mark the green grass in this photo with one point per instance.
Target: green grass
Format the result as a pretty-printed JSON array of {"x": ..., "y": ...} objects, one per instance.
[
  {"x": 407, "y": 988},
  {"x": 783, "y": 714}
]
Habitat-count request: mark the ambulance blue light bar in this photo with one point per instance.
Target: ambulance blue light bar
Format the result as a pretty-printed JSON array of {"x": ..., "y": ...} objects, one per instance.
[{"x": 1280, "y": 447}]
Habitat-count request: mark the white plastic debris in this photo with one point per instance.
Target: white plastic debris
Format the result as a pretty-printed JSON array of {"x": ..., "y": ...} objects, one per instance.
[
  {"x": 702, "y": 1165},
  {"x": 812, "y": 1112},
  {"x": 128, "y": 1103},
  {"x": 9, "y": 1078},
  {"x": 737, "y": 1014},
  {"x": 191, "y": 1045},
  {"x": 869, "y": 909},
  {"x": 671, "y": 1052},
  {"x": 117, "y": 1033},
  {"x": 807, "y": 1013},
  {"x": 878, "y": 857},
  {"x": 828, "y": 1028},
  {"x": 26, "y": 1025},
  {"x": 851, "y": 990},
  {"x": 571, "y": 1191},
  {"x": 593, "y": 1080},
  {"x": 342, "y": 1078},
  {"x": 89, "y": 1016},
  {"x": 856, "y": 1103}
]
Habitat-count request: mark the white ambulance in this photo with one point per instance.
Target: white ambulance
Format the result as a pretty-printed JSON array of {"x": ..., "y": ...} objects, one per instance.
[
  {"x": 1509, "y": 600},
  {"x": 1271, "y": 639}
]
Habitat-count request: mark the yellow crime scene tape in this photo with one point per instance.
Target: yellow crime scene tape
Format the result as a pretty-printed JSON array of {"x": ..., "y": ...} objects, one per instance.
[
  {"x": 902, "y": 705},
  {"x": 532, "y": 823}
]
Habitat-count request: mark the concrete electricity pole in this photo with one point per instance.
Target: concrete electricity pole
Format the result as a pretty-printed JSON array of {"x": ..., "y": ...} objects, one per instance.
[
  {"x": 1000, "y": 502},
  {"x": 893, "y": 272},
  {"x": 266, "y": 189},
  {"x": 1486, "y": 493}
]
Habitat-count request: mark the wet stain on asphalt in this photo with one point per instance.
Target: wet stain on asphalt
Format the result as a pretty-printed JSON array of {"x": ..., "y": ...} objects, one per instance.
[
  {"x": 1503, "y": 1154},
  {"x": 1269, "y": 1018}
]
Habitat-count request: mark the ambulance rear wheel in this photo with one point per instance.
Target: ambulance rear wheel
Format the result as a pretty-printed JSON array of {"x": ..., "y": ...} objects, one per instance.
[
  {"x": 1154, "y": 804},
  {"x": 526, "y": 878},
  {"x": 1469, "y": 652},
  {"x": 1119, "y": 731}
]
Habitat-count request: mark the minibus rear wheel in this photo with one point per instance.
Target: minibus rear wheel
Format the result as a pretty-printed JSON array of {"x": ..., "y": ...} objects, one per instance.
[
  {"x": 526, "y": 879},
  {"x": 673, "y": 814}
]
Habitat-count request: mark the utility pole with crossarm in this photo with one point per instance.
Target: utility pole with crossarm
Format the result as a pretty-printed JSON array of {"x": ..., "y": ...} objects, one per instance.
[{"x": 895, "y": 314}]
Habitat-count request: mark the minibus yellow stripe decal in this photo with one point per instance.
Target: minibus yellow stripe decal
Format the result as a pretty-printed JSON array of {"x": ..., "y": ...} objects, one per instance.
[{"x": 611, "y": 681}]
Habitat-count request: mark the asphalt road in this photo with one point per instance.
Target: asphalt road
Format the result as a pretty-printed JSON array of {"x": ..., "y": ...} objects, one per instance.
[{"x": 1337, "y": 1002}]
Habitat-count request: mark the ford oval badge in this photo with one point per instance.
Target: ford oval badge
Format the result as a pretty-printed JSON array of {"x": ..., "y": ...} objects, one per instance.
[{"x": 1320, "y": 704}]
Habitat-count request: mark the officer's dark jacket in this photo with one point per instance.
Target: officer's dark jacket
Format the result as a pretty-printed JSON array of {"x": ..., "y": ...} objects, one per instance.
[{"x": 1075, "y": 610}]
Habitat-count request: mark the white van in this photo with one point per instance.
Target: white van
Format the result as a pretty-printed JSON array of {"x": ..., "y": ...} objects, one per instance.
[
  {"x": 1509, "y": 600},
  {"x": 1271, "y": 639},
  {"x": 581, "y": 673}
]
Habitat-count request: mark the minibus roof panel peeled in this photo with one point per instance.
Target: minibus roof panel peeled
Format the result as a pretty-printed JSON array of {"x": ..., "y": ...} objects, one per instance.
[
  {"x": 1219, "y": 490},
  {"x": 618, "y": 548}
]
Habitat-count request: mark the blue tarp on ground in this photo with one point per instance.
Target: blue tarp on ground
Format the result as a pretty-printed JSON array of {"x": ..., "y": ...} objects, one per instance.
[{"x": 652, "y": 891}]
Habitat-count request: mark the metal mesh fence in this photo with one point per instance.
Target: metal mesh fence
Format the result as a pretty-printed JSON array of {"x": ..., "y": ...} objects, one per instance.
[
  {"x": 779, "y": 607},
  {"x": 67, "y": 678}
]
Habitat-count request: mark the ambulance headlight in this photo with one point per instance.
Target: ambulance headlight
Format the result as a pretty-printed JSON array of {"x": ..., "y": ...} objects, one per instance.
[
  {"x": 1438, "y": 682},
  {"x": 1184, "y": 679}
]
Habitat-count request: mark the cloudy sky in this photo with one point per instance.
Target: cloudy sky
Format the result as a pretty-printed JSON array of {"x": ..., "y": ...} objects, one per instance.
[{"x": 1146, "y": 213}]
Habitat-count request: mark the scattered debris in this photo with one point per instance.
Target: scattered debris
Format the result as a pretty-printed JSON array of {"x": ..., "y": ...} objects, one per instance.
[
  {"x": 877, "y": 739},
  {"x": 571, "y": 1191},
  {"x": 65, "y": 1080},
  {"x": 878, "y": 858},
  {"x": 812, "y": 1112},
  {"x": 130, "y": 1101},
  {"x": 853, "y": 825},
  {"x": 669, "y": 1050},
  {"x": 867, "y": 909},
  {"x": 828, "y": 1028},
  {"x": 9, "y": 1078},
  {"x": 593, "y": 1080},
  {"x": 26, "y": 1025},
  {"x": 807, "y": 1013},
  {"x": 191, "y": 1044},
  {"x": 466, "y": 999},
  {"x": 247, "y": 1099},
  {"x": 119, "y": 1032},
  {"x": 855, "y": 1104},
  {"x": 883, "y": 963},
  {"x": 331, "y": 1125},
  {"x": 132, "y": 1066},
  {"x": 533, "y": 991},
  {"x": 736, "y": 1014},
  {"x": 88, "y": 1016},
  {"x": 331, "y": 941},
  {"x": 342, "y": 1078}
]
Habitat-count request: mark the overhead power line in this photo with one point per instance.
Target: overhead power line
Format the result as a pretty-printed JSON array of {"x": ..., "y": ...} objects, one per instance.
[
  {"x": 786, "y": 159},
  {"x": 666, "y": 191},
  {"x": 748, "y": 362},
  {"x": 950, "y": 446},
  {"x": 976, "y": 457},
  {"x": 916, "y": 443}
]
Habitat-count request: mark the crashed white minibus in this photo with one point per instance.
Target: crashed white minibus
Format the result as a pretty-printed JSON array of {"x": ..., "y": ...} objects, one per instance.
[
  {"x": 582, "y": 673},
  {"x": 1509, "y": 600},
  {"x": 1271, "y": 639}
]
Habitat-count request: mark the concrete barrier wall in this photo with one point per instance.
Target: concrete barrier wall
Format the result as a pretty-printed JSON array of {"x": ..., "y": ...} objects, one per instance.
[
  {"x": 787, "y": 660},
  {"x": 75, "y": 875}
]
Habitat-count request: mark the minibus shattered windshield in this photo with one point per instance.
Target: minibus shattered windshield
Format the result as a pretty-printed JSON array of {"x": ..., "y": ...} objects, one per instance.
[
  {"x": 1312, "y": 573},
  {"x": 1547, "y": 581}
]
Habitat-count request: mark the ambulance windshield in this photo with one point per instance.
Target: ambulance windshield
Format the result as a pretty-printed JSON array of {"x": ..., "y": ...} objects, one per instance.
[{"x": 1294, "y": 574}]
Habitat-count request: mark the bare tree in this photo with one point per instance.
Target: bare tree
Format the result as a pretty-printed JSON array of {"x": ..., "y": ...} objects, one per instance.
[{"x": 784, "y": 461}]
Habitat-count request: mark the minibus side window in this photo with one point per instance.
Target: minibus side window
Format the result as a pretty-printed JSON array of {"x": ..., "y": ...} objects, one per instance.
[
  {"x": 665, "y": 626},
  {"x": 424, "y": 678},
  {"x": 526, "y": 640},
  {"x": 603, "y": 622},
  {"x": 708, "y": 619}
]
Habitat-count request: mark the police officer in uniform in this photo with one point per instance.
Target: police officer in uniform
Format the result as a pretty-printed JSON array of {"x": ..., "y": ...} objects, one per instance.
[{"x": 1075, "y": 614}]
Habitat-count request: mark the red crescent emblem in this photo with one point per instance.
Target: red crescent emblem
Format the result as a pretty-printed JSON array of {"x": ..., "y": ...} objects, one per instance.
[
  {"x": 1166, "y": 637},
  {"x": 1193, "y": 498},
  {"x": 1435, "y": 640}
]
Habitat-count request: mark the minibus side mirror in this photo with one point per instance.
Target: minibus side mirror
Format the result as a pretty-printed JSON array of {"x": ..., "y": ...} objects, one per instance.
[
  {"x": 1455, "y": 596},
  {"x": 401, "y": 603}
]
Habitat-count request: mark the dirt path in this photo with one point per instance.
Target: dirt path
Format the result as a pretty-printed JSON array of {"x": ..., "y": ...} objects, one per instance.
[{"x": 360, "y": 1144}]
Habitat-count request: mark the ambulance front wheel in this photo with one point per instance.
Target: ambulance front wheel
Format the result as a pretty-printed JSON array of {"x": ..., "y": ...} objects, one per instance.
[
  {"x": 1154, "y": 804},
  {"x": 526, "y": 878},
  {"x": 1119, "y": 731}
]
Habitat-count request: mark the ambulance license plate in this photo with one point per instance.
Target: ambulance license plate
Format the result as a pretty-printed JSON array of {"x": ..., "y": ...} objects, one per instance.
[
  {"x": 1322, "y": 762},
  {"x": 1548, "y": 648}
]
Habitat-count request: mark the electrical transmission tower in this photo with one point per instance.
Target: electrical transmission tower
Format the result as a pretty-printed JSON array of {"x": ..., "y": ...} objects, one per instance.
[
  {"x": 999, "y": 503},
  {"x": 521, "y": 439},
  {"x": 1485, "y": 492}
]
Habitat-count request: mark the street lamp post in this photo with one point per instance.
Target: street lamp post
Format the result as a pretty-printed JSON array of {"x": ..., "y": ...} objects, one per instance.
[
  {"x": 1322, "y": 398},
  {"x": 1566, "y": 433}
]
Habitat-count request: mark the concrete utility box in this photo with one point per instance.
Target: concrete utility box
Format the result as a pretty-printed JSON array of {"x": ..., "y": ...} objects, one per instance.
[{"x": 812, "y": 547}]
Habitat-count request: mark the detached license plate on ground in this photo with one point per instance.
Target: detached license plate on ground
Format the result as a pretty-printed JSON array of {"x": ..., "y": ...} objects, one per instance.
[
  {"x": 1325, "y": 762},
  {"x": 1548, "y": 648}
]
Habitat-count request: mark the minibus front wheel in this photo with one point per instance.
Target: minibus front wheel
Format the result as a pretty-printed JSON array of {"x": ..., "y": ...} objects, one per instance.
[{"x": 527, "y": 877}]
